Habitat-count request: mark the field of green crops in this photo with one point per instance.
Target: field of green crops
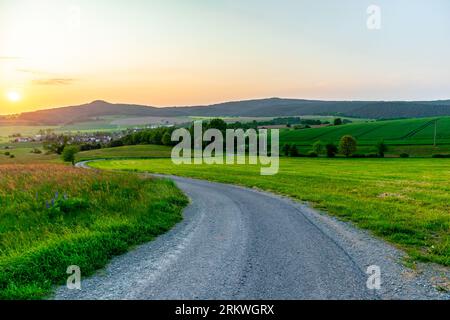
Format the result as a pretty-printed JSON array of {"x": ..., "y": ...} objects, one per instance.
[
  {"x": 393, "y": 132},
  {"x": 54, "y": 216},
  {"x": 405, "y": 201}
]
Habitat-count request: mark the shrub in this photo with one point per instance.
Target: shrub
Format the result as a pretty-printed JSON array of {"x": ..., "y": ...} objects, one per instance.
[
  {"x": 89, "y": 146},
  {"x": 347, "y": 145},
  {"x": 286, "y": 149},
  {"x": 293, "y": 151},
  {"x": 441, "y": 156},
  {"x": 337, "y": 121},
  {"x": 381, "y": 148},
  {"x": 312, "y": 154},
  {"x": 12, "y": 156},
  {"x": 7, "y": 153},
  {"x": 331, "y": 150},
  {"x": 356, "y": 155},
  {"x": 317, "y": 147},
  {"x": 36, "y": 151},
  {"x": 404, "y": 155},
  {"x": 116, "y": 143},
  {"x": 372, "y": 155}
]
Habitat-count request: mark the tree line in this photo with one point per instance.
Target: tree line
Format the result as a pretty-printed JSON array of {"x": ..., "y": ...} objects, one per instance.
[{"x": 347, "y": 146}]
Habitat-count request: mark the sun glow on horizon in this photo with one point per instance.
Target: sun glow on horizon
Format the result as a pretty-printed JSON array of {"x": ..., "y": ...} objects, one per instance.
[{"x": 13, "y": 96}]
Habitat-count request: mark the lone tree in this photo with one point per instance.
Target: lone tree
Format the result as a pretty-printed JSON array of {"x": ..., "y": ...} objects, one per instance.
[
  {"x": 317, "y": 147},
  {"x": 337, "y": 121},
  {"x": 381, "y": 148},
  {"x": 347, "y": 145},
  {"x": 69, "y": 153},
  {"x": 331, "y": 150}
]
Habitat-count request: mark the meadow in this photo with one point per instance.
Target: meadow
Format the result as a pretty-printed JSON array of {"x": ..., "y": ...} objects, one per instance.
[
  {"x": 22, "y": 153},
  {"x": 404, "y": 201},
  {"x": 54, "y": 216},
  {"x": 139, "y": 151}
]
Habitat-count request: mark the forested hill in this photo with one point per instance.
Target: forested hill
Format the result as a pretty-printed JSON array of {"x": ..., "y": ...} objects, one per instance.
[{"x": 250, "y": 108}]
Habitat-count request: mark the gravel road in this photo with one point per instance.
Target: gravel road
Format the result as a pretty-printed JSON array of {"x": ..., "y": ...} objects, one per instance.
[{"x": 239, "y": 243}]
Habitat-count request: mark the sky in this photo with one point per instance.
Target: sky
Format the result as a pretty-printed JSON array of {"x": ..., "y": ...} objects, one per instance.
[{"x": 190, "y": 52}]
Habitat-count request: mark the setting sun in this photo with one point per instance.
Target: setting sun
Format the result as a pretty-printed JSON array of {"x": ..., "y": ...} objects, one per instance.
[{"x": 13, "y": 96}]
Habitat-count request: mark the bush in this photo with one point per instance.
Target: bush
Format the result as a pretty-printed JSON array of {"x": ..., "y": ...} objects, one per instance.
[
  {"x": 12, "y": 156},
  {"x": 372, "y": 155},
  {"x": 317, "y": 147},
  {"x": 312, "y": 154},
  {"x": 36, "y": 151},
  {"x": 7, "y": 153},
  {"x": 331, "y": 150},
  {"x": 441, "y": 156},
  {"x": 337, "y": 121},
  {"x": 347, "y": 145},
  {"x": 356, "y": 155},
  {"x": 89, "y": 146},
  {"x": 381, "y": 148},
  {"x": 286, "y": 149},
  {"x": 404, "y": 155},
  {"x": 293, "y": 151},
  {"x": 115, "y": 144}
]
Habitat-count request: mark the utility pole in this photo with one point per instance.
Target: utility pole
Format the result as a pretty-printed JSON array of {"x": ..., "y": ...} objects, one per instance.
[{"x": 435, "y": 131}]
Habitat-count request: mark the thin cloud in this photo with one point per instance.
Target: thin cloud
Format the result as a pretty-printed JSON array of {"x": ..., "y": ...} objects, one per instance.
[
  {"x": 54, "y": 82},
  {"x": 32, "y": 71},
  {"x": 9, "y": 58}
]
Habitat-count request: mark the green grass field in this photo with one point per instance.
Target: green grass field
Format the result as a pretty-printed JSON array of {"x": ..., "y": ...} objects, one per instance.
[
  {"x": 54, "y": 216},
  {"x": 405, "y": 201},
  {"x": 407, "y": 135},
  {"x": 22, "y": 154},
  {"x": 139, "y": 151}
]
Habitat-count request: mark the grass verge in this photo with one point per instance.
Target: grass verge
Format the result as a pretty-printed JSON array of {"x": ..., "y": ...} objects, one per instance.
[{"x": 54, "y": 216}]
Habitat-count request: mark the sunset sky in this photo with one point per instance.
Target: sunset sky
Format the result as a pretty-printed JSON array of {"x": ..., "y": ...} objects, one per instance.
[{"x": 188, "y": 52}]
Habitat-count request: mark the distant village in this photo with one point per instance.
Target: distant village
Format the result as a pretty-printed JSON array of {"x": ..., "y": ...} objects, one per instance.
[{"x": 80, "y": 137}]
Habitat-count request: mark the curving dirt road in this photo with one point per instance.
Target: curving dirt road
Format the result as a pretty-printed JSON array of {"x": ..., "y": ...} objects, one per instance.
[{"x": 238, "y": 243}]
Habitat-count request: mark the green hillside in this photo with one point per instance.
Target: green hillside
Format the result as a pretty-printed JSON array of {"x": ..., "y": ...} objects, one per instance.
[{"x": 394, "y": 132}]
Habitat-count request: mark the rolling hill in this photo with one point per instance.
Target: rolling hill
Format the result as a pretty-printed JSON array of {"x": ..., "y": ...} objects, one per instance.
[
  {"x": 398, "y": 132},
  {"x": 250, "y": 108}
]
